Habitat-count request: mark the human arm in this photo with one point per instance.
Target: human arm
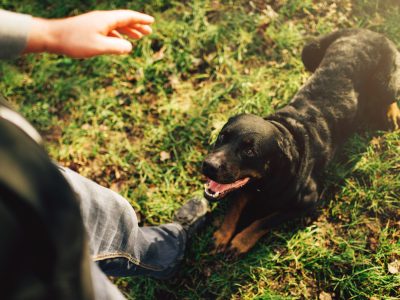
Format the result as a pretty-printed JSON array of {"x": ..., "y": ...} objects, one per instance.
[{"x": 86, "y": 35}]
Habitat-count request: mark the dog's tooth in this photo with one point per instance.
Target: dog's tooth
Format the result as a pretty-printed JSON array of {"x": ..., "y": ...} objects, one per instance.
[
  {"x": 209, "y": 193},
  {"x": 216, "y": 195}
]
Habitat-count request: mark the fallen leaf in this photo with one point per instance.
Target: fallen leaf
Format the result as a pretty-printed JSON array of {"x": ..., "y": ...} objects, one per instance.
[
  {"x": 86, "y": 126},
  {"x": 394, "y": 267},
  {"x": 164, "y": 156},
  {"x": 325, "y": 296},
  {"x": 373, "y": 243},
  {"x": 116, "y": 186},
  {"x": 159, "y": 55}
]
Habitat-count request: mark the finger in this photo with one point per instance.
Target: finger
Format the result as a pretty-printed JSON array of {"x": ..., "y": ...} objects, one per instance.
[
  {"x": 112, "y": 45},
  {"x": 115, "y": 33},
  {"x": 132, "y": 33},
  {"x": 145, "y": 29},
  {"x": 122, "y": 18}
]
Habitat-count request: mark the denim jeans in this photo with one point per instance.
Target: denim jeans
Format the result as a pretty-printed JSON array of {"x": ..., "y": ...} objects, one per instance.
[
  {"x": 33, "y": 189},
  {"x": 118, "y": 246}
]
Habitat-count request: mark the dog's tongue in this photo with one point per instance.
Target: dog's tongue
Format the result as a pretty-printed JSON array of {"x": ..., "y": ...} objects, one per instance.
[{"x": 220, "y": 187}]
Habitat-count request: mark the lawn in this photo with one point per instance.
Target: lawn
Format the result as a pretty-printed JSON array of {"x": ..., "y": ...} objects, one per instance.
[{"x": 141, "y": 124}]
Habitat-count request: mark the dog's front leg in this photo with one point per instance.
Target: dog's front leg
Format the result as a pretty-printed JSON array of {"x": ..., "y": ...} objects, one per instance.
[
  {"x": 393, "y": 116},
  {"x": 224, "y": 234},
  {"x": 247, "y": 238}
]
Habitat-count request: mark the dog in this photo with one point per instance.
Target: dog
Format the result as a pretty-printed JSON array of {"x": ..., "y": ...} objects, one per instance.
[{"x": 272, "y": 168}]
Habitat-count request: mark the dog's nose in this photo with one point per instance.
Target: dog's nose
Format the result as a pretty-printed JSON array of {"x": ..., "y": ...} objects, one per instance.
[
  {"x": 209, "y": 169},
  {"x": 212, "y": 164}
]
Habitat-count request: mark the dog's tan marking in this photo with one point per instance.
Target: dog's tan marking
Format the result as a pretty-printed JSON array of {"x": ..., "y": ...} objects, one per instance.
[
  {"x": 246, "y": 239},
  {"x": 224, "y": 234},
  {"x": 393, "y": 115}
]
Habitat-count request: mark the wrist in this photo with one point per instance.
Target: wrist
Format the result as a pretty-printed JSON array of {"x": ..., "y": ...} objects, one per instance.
[{"x": 41, "y": 37}]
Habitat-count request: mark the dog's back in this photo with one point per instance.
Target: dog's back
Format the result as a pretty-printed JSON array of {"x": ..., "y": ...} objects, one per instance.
[
  {"x": 356, "y": 78},
  {"x": 367, "y": 62}
]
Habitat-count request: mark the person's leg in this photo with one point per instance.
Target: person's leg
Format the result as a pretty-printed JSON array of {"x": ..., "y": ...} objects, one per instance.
[
  {"x": 117, "y": 243},
  {"x": 103, "y": 288}
]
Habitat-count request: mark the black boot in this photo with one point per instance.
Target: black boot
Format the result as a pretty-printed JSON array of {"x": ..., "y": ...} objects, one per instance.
[{"x": 192, "y": 215}]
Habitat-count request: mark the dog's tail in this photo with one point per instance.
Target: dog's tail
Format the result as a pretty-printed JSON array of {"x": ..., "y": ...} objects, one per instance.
[{"x": 314, "y": 51}]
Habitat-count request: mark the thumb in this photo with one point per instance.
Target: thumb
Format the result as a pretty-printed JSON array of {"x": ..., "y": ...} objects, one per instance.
[{"x": 114, "y": 45}]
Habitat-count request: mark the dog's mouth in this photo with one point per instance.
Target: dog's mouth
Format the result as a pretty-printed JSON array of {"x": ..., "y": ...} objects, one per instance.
[{"x": 214, "y": 190}]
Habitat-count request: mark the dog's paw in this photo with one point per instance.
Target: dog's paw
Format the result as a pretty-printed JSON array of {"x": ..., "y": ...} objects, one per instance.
[
  {"x": 393, "y": 116},
  {"x": 237, "y": 248},
  {"x": 220, "y": 241},
  {"x": 232, "y": 253}
]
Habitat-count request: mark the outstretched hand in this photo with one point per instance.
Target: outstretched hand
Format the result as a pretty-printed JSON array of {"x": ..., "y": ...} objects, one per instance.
[{"x": 90, "y": 34}]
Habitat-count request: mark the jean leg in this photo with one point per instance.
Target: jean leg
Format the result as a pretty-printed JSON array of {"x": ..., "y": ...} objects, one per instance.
[
  {"x": 118, "y": 245},
  {"x": 102, "y": 287}
]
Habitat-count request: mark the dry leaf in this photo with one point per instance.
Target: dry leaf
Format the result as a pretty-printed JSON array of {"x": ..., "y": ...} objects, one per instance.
[
  {"x": 164, "y": 156},
  {"x": 325, "y": 296},
  {"x": 394, "y": 267},
  {"x": 159, "y": 55}
]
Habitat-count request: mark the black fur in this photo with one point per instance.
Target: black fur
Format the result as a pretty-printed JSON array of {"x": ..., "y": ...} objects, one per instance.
[{"x": 356, "y": 79}]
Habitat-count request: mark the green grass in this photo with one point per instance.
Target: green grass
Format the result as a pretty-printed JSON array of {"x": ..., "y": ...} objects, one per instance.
[{"x": 114, "y": 118}]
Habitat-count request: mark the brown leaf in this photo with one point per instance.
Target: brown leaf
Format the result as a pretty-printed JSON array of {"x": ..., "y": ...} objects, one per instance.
[
  {"x": 159, "y": 55},
  {"x": 325, "y": 296},
  {"x": 373, "y": 243},
  {"x": 116, "y": 186}
]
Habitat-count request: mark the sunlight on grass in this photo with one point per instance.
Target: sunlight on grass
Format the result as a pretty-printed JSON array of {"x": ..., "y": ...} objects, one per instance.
[{"x": 142, "y": 123}]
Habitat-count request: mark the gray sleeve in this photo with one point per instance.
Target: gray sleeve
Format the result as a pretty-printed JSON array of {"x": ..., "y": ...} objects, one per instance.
[{"x": 14, "y": 29}]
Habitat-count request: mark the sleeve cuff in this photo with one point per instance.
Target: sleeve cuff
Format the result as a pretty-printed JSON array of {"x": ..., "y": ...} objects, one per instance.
[{"x": 14, "y": 30}]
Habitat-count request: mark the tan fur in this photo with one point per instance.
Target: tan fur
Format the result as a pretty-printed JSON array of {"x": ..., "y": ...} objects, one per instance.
[
  {"x": 393, "y": 115},
  {"x": 224, "y": 234}
]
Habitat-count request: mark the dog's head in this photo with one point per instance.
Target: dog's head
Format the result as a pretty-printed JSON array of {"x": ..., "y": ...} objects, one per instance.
[{"x": 244, "y": 152}]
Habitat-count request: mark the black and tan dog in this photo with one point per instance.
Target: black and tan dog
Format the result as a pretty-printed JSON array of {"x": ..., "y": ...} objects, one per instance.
[{"x": 272, "y": 167}]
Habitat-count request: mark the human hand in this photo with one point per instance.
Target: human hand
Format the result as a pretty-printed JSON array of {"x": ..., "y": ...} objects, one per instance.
[{"x": 90, "y": 34}]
